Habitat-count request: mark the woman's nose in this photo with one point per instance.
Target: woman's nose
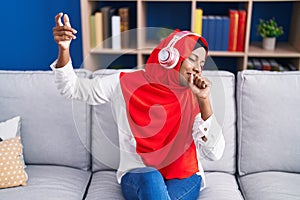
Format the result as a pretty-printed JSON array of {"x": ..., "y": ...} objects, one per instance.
[{"x": 196, "y": 69}]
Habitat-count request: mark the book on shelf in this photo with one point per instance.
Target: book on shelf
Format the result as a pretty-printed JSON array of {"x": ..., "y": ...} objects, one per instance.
[
  {"x": 205, "y": 29},
  {"x": 250, "y": 64},
  {"x": 218, "y": 33},
  {"x": 107, "y": 13},
  {"x": 265, "y": 65},
  {"x": 274, "y": 65},
  {"x": 106, "y": 28},
  {"x": 211, "y": 32},
  {"x": 257, "y": 64},
  {"x": 92, "y": 27},
  {"x": 241, "y": 30},
  {"x": 292, "y": 67},
  {"x": 233, "y": 29},
  {"x": 116, "y": 32},
  {"x": 225, "y": 33},
  {"x": 124, "y": 27},
  {"x": 98, "y": 29},
  {"x": 198, "y": 21}
]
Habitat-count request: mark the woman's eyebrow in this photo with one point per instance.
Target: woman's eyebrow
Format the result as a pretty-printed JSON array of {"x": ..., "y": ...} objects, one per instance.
[{"x": 193, "y": 54}]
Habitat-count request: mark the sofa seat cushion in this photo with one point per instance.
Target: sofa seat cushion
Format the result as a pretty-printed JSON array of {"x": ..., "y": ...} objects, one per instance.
[
  {"x": 271, "y": 185},
  {"x": 50, "y": 182},
  {"x": 104, "y": 185},
  {"x": 220, "y": 186}
]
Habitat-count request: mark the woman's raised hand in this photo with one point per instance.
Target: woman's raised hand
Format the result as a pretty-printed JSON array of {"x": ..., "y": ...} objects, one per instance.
[{"x": 63, "y": 32}]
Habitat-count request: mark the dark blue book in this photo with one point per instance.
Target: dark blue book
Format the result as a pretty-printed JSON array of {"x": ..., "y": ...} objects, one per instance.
[
  {"x": 211, "y": 32},
  {"x": 205, "y": 28},
  {"x": 218, "y": 33},
  {"x": 257, "y": 64},
  {"x": 225, "y": 33}
]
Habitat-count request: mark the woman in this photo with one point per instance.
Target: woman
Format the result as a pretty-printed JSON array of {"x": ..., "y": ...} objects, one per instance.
[{"x": 162, "y": 133}]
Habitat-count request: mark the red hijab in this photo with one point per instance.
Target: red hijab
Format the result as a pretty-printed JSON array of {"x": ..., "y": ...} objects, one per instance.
[{"x": 161, "y": 112}]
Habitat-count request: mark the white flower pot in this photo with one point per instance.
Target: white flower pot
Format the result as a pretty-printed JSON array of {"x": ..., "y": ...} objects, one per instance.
[{"x": 269, "y": 43}]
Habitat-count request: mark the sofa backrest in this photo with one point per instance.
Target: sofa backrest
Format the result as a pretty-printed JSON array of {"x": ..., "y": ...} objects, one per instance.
[
  {"x": 105, "y": 149},
  {"x": 224, "y": 108},
  {"x": 49, "y": 134},
  {"x": 268, "y": 121}
]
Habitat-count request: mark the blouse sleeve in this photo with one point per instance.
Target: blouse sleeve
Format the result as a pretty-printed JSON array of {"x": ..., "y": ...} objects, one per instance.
[
  {"x": 92, "y": 91},
  {"x": 213, "y": 147}
]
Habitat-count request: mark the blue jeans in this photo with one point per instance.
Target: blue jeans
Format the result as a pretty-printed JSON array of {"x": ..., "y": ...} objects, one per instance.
[{"x": 148, "y": 184}]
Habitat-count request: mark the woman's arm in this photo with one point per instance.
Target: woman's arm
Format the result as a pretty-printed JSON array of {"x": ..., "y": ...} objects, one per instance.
[
  {"x": 93, "y": 91},
  {"x": 207, "y": 132}
]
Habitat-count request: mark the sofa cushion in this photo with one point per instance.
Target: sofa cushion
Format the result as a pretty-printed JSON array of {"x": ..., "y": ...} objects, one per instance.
[
  {"x": 54, "y": 130},
  {"x": 104, "y": 133},
  {"x": 220, "y": 186},
  {"x": 104, "y": 139},
  {"x": 224, "y": 108},
  {"x": 271, "y": 186},
  {"x": 104, "y": 129},
  {"x": 268, "y": 122},
  {"x": 50, "y": 182},
  {"x": 104, "y": 185}
]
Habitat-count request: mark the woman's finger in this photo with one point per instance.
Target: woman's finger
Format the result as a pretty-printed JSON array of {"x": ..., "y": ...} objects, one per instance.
[
  {"x": 67, "y": 20},
  {"x": 65, "y": 28},
  {"x": 66, "y": 33},
  {"x": 58, "y": 19}
]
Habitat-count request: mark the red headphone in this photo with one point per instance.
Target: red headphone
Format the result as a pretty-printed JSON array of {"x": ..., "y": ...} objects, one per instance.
[{"x": 168, "y": 56}]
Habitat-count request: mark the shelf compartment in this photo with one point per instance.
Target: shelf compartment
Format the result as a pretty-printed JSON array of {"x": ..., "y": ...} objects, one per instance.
[
  {"x": 282, "y": 49},
  {"x": 220, "y": 8},
  {"x": 223, "y": 63},
  {"x": 279, "y": 64},
  {"x": 275, "y": 10}
]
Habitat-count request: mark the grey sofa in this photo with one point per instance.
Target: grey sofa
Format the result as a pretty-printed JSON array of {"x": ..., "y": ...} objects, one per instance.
[{"x": 71, "y": 148}]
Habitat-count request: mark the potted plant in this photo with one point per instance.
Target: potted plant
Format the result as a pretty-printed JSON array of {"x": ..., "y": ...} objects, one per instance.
[{"x": 269, "y": 31}]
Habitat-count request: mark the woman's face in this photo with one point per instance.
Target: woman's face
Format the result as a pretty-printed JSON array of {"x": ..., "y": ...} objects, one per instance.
[{"x": 192, "y": 65}]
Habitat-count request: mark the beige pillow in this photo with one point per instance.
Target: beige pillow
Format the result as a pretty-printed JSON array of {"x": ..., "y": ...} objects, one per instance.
[{"x": 12, "y": 172}]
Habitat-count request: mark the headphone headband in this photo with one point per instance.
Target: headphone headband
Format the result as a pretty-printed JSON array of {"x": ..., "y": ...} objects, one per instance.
[
  {"x": 168, "y": 56},
  {"x": 178, "y": 36}
]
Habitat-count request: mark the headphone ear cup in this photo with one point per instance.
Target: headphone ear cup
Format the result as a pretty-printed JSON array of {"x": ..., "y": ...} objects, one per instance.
[{"x": 168, "y": 57}]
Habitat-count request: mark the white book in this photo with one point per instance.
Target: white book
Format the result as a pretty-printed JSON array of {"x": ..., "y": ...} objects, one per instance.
[{"x": 116, "y": 32}]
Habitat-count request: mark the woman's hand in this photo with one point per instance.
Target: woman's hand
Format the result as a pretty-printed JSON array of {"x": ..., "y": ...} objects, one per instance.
[
  {"x": 63, "y": 33},
  {"x": 200, "y": 86}
]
